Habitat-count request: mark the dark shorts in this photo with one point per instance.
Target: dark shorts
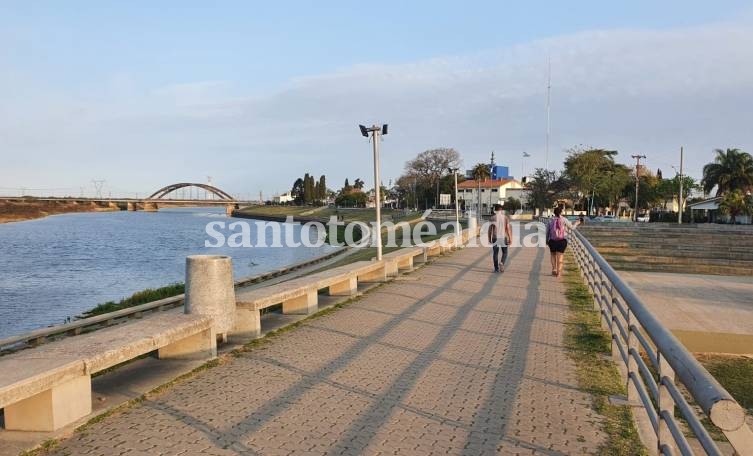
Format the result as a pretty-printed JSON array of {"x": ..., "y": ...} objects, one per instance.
[{"x": 557, "y": 246}]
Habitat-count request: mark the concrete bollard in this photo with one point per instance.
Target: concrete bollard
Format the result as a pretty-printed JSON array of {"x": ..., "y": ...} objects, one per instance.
[
  {"x": 210, "y": 291},
  {"x": 472, "y": 225}
]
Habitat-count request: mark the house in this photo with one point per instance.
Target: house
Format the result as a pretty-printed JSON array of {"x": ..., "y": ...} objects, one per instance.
[
  {"x": 710, "y": 207},
  {"x": 282, "y": 198},
  {"x": 488, "y": 193}
]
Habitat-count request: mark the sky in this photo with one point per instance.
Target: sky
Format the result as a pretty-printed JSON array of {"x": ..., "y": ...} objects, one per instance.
[{"x": 255, "y": 94}]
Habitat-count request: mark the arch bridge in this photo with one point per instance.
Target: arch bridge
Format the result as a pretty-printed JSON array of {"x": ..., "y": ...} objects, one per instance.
[
  {"x": 161, "y": 193},
  {"x": 159, "y": 198}
]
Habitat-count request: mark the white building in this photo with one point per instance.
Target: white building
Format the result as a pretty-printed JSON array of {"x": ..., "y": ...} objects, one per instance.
[
  {"x": 710, "y": 207},
  {"x": 282, "y": 198},
  {"x": 491, "y": 192}
]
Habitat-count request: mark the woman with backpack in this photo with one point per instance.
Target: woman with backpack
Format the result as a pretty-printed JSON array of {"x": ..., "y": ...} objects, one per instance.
[{"x": 556, "y": 239}]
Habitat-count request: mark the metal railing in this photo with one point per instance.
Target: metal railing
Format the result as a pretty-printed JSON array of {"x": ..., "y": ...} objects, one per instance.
[
  {"x": 39, "y": 336},
  {"x": 653, "y": 365}
]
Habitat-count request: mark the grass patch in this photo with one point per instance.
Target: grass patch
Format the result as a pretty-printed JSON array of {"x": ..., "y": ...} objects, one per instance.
[
  {"x": 44, "y": 447},
  {"x": 325, "y": 212},
  {"x": 138, "y": 298},
  {"x": 587, "y": 344},
  {"x": 735, "y": 373}
]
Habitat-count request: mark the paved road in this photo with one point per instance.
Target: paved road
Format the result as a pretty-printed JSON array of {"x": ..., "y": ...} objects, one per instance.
[
  {"x": 696, "y": 302},
  {"x": 450, "y": 359}
]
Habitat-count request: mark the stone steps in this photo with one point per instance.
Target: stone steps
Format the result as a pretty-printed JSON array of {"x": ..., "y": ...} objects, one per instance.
[
  {"x": 697, "y": 254},
  {"x": 675, "y": 260},
  {"x": 674, "y": 237},
  {"x": 684, "y": 269},
  {"x": 701, "y": 251}
]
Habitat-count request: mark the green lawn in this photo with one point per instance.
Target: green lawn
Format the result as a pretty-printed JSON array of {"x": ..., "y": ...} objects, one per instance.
[
  {"x": 735, "y": 373},
  {"x": 324, "y": 213},
  {"x": 589, "y": 346}
]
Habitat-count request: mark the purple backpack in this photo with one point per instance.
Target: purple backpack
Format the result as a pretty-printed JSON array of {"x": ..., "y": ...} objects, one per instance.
[{"x": 558, "y": 229}]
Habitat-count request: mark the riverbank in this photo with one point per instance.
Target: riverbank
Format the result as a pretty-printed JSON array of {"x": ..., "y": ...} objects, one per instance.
[
  {"x": 30, "y": 209},
  {"x": 322, "y": 214}
]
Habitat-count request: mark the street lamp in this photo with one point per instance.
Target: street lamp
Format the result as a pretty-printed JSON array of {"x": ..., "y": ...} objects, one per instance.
[
  {"x": 376, "y": 131},
  {"x": 523, "y": 165},
  {"x": 457, "y": 207}
]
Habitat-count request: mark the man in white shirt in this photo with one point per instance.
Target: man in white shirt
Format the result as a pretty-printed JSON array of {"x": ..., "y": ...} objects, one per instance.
[{"x": 500, "y": 236}]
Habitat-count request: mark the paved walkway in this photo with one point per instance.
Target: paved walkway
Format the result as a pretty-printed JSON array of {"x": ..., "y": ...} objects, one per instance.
[
  {"x": 450, "y": 359},
  {"x": 708, "y": 313}
]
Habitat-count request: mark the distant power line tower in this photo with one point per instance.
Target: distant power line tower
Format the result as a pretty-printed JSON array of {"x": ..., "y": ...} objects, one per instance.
[{"x": 98, "y": 184}]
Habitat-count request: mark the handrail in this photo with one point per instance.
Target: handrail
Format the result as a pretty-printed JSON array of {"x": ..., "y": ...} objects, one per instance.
[
  {"x": 38, "y": 336},
  {"x": 673, "y": 362}
]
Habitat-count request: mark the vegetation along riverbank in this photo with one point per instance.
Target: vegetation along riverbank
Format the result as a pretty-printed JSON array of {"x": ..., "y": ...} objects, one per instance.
[{"x": 18, "y": 210}]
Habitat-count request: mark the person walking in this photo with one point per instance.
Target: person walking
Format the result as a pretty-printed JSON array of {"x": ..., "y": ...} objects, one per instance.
[
  {"x": 500, "y": 236},
  {"x": 556, "y": 239}
]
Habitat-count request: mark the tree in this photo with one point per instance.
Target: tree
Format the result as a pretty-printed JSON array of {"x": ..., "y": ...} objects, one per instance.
[
  {"x": 512, "y": 204},
  {"x": 352, "y": 199},
  {"x": 668, "y": 189},
  {"x": 481, "y": 171},
  {"x": 358, "y": 184},
  {"x": 297, "y": 191},
  {"x": 308, "y": 189},
  {"x": 322, "y": 192},
  {"x": 431, "y": 165},
  {"x": 540, "y": 189},
  {"x": 649, "y": 191},
  {"x": 585, "y": 168},
  {"x": 736, "y": 203},
  {"x": 731, "y": 170}
]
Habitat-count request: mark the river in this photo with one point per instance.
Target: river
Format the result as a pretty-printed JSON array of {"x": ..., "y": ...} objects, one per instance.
[{"x": 60, "y": 266}]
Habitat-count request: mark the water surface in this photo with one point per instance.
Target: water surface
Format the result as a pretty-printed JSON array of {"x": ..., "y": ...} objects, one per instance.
[{"x": 60, "y": 266}]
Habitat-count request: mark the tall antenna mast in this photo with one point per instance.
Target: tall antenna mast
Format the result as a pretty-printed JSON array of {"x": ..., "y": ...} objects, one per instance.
[{"x": 548, "y": 104}]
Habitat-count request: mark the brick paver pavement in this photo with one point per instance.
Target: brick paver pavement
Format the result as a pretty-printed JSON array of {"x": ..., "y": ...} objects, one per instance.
[{"x": 451, "y": 359}]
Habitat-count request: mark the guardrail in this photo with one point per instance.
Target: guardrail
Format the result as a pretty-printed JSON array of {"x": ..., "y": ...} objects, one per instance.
[
  {"x": 40, "y": 336},
  {"x": 653, "y": 365}
]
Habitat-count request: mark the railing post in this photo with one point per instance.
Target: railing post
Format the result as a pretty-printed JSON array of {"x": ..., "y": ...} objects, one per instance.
[
  {"x": 632, "y": 365},
  {"x": 616, "y": 338},
  {"x": 666, "y": 405},
  {"x": 605, "y": 323},
  {"x": 602, "y": 279}
]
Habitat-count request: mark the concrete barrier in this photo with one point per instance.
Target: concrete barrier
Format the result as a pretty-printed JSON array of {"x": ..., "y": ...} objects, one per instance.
[
  {"x": 298, "y": 296},
  {"x": 401, "y": 260},
  {"x": 48, "y": 387}
]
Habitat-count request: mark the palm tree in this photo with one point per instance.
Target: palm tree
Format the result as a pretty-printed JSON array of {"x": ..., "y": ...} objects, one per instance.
[
  {"x": 731, "y": 170},
  {"x": 481, "y": 171},
  {"x": 736, "y": 203}
]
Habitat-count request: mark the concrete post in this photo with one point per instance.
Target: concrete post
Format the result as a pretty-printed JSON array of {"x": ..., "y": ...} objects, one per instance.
[
  {"x": 209, "y": 290},
  {"x": 472, "y": 225}
]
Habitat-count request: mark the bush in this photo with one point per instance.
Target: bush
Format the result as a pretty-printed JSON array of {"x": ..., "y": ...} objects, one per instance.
[
  {"x": 671, "y": 217},
  {"x": 140, "y": 297}
]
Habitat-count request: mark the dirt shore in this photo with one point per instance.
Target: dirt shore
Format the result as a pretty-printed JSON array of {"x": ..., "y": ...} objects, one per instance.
[{"x": 18, "y": 211}]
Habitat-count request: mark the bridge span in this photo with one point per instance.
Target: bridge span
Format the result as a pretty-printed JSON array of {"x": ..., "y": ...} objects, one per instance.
[{"x": 167, "y": 196}]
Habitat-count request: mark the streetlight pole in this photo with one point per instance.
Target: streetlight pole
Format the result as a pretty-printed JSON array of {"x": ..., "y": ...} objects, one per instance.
[
  {"x": 478, "y": 201},
  {"x": 457, "y": 207},
  {"x": 679, "y": 198},
  {"x": 376, "y": 131},
  {"x": 523, "y": 165},
  {"x": 637, "y": 182}
]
